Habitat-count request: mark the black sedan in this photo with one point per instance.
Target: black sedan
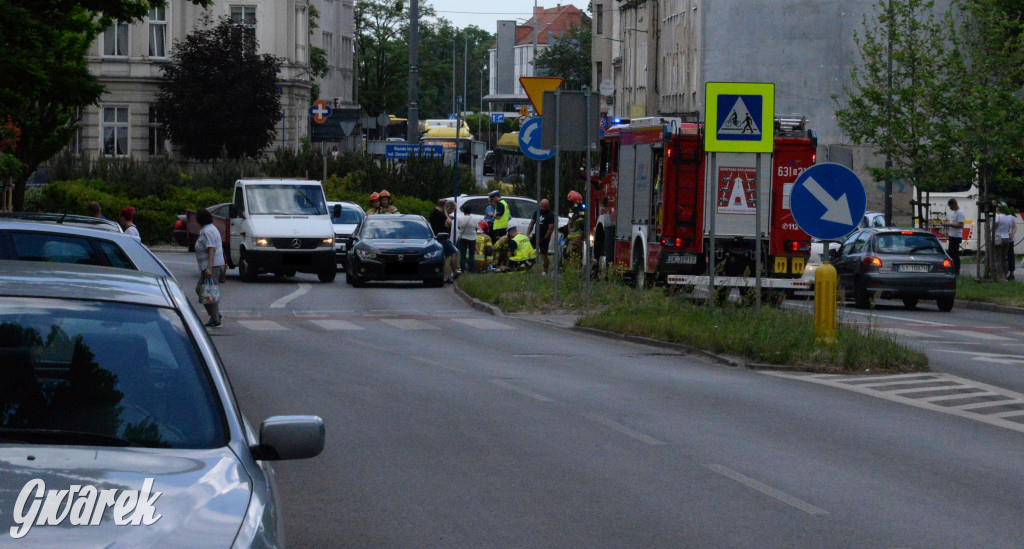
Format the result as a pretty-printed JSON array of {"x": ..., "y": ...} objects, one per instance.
[
  {"x": 895, "y": 264},
  {"x": 394, "y": 247}
]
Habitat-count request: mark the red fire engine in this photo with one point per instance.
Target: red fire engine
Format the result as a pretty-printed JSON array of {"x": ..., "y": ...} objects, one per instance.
[{"x": 652, "y": 197}]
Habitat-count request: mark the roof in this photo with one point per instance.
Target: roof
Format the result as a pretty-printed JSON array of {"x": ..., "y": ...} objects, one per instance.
[
  {"x": 509, "y": 140},
  {"x": 85, "y": 282},
  {"x": 98, "y": 223},
  {"x": 275, "y": 180},
  {"x": 550, "y": 22},
  {"x": 442, "y": 132},
  {"x": 66, "y": 228}
]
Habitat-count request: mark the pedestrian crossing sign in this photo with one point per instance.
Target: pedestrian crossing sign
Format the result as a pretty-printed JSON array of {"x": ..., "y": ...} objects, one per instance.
[{"x": 739, "y": 117}]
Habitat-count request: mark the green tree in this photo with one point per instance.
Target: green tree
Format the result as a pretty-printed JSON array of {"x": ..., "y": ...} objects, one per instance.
[
  {"x": 45, "y": 74},
  {"x": 216, "y": 66},
  {"x": 569, "y": 57},
  {"x": 383, "y": 55}
]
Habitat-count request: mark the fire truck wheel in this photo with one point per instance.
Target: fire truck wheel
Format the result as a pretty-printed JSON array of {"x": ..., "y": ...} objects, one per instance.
[{"x": 639, "y": 272}]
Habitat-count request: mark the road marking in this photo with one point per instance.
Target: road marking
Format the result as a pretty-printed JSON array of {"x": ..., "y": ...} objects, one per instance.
[
  {"x": 978, "y": 335},
  {"x": 907, "y": 333},
  {"x": 997, "y": 358},
  {"x": 624, "y": 430},
  {"x": 331, "y": 324},
  {"x": 303, "y": 289},
  {"x": 261, "y": 325},
  {"x": 482, "y": 323},
  {"x": 408, "y": 324},
  {"x": 521, "y": 391},
  {"x": 766, "y": 490},
  {"x": 957, "y": 397}
]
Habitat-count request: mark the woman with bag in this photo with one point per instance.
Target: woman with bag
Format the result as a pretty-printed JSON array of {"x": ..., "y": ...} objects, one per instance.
[{"x": 210, "y": 256}]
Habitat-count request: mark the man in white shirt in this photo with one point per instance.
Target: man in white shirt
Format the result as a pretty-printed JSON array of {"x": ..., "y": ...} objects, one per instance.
[
  {"x": 1004, "y": 229},
  {"x": 210, "y": 257},
  {"x": 955, "y": 232}
]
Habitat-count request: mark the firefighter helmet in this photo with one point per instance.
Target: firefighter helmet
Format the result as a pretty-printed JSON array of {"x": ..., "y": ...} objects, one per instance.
[
  {"x": 385, "y": 194},
  {"x": 374, "y": 196},
  {"x": 483, "y": 226},
  {"x": 575, "y": 197}
]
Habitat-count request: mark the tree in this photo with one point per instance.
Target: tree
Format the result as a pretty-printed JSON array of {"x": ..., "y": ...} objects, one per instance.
[
  {"x": 213, "y": 73},
  {"x": 569, "y": 57},
  {"x": 383, "y": 55},
  {"x": 46, "y": 77}
]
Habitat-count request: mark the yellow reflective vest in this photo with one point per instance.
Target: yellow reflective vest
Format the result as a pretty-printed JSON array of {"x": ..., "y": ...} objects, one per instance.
[
  {"x": 502, "y": 222},
  {"x": 524, "y": 250}
]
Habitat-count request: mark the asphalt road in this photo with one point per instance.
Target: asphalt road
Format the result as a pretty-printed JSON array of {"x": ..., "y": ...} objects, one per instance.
[{"x": 451, "y": 428}]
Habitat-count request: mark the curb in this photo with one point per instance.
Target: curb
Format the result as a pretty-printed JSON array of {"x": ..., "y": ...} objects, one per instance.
[
  {"x": 723, "y": 359},
  {"x": 476, "y": 303},
  {"x": 991, "y": 307}
]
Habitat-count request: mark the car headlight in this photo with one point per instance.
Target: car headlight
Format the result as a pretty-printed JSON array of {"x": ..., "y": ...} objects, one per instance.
[
  {"x": 432, "y": 255},
  {"x": 366, "y": 254},
  {"x": 326, "y": 243},
  {"x": 262, "y": 242}
]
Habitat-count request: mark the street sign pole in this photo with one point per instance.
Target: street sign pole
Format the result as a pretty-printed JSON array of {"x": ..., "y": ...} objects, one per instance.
[
  {"x": 558, "y": 176},
  {"x": 586, "y": 211},
  {"x": 757, "y": 230},
  {"x": 712, "y": 213},
  {"x": 323, "y": 153},
  {"x": 537, "y": 226}
]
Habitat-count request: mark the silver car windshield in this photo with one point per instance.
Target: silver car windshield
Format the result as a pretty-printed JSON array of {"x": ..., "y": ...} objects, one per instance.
[
  {"x": 286, "y": 199},
  {"x": 95, "y": 373}
]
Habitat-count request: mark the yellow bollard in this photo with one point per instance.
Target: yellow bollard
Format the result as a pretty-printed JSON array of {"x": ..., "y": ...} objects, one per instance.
[{"x": 825, "y": 304}]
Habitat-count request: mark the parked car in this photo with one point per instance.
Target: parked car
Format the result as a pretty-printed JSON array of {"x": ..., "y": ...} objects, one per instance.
[
  {"x": 344, "y": 224},
  {"x": 821, "y": 248},
  {"x": 98, "y": 223},
  {"x": 522, "y": 210},
  {"x": 489, "y": 163},
  {"x": 394, "y": 247},
  {"x": 895, "y": 264},
  {"x": 186, "y": 228},
  {"x": 109, "y": 381},
  {"x": 64, "y": 243}
]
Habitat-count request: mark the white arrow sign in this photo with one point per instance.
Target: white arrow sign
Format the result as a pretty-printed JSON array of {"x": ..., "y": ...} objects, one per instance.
[
  {"x": 528, "y": 137},
  {"x": 836, "y": 210}
]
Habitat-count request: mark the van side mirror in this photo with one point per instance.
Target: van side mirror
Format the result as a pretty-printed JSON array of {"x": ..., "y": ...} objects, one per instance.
[
  {"x": 336, "y": 211},
  {"x": 233, "y": 212}
]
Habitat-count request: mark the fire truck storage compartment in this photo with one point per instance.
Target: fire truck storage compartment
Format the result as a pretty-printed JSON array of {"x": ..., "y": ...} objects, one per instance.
[
  {"x": 624, "y": 206},
  {"x": 732, "y": 193}
]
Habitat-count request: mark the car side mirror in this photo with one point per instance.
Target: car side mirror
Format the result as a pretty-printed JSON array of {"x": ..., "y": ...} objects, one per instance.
[
  {"x": 233, "y": 212},
  {"x": 290, "y": 437},
  {"x": 336, "y": 211},
  {"x": 833, "y": 254},
  {"x": 442, "y": 237}
]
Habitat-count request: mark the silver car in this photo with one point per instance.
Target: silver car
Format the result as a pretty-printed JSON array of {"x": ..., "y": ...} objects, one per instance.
[{"x": 114, "y": 400}]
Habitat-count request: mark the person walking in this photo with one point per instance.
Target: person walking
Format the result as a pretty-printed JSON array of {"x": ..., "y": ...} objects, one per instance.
[
  {"x": 502, "y": 214},
  {"x": 545, "y": 228},
  {"x": 210, "y": 257},
  {"x": 385, "y": 203},
  {"x": 441, "y": 222},
  {"x": 374, "y": 204},
  {"x": 1003, "y": 242},
  {"x": 955, "y": 233},
  {"x": 127, "y": 217},
  {"x": 467, "y": 240}
]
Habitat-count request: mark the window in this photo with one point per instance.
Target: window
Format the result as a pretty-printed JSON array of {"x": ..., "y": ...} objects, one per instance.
[
  {"x": 247, "y": 15},
  {"x": 301, "y": 35},
  {"x": 115, "y": 131},
  {"x": 599, "y": 19},
  {"x": 157, "y": 134},
  {"x": 53, "y": 248},
  {"x": 599, "y": 72},
  {"x": 115, "y": 40},
  {"x": 328, "y": 38},
  {"x": 158, "y": 32}
]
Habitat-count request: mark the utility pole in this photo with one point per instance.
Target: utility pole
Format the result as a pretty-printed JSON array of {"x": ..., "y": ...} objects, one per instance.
[
  {"x": 888, "y": 156},
  {"x": 534, "y": 73},
  {"x": 412, "y": 132},
  {"x": 453, "y": 76}
]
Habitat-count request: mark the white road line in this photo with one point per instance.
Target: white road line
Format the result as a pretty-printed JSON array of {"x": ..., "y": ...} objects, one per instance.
[
  {"x": 907, "y": 333},
  {"x": 989, "y": 404},
  {"x": 766, "y": 490},
  {"x": 926, "y": 389},
  {"x": 408, "y": 324},
  {"x": 1011, "y": 413},
  {"x": 876, "y": 315},
  {"x": 521, "y": 391},
  {"x": 956, "y": 397},
  {"x": 331, "y": 324},
  {"x": 856, "y": 380},
  {"x": 624, "y": 430},
  {"x": 978, "y": 335},
  {"x": 261, "y": 325},
  {"x": 900, "y": 382},
  {"x": 303, "y": 289},
  {"x": 482, "y": 323}
]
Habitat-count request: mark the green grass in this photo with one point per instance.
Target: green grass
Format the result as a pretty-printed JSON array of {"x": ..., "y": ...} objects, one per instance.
[
  {"x": 772, "y": 336},
  {"x": 1004, "y": 293}
]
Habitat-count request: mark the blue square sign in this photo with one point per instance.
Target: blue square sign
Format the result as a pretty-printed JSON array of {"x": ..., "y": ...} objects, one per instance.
[{"x": 739, "y": 117}]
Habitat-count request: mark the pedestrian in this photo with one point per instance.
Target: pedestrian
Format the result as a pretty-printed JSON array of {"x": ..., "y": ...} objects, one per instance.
[
  {"x": 577, "y": 217},
  {"x": 441, "y": 222},
  {"x": 1003, "y": 242},
  {"x": 210, "y": 257},
  {"x": 94, "y": 210},
  {"x": 374, "y": 204},
  {"x": 127, "y": 217},
  {"x": 467, "y": 240},
  {"x": 955, "y": 233},
  {"x": 545, "y": 228},
  {"x": 385, "y": 203},
  {"x": 1010, "y": 253},
  {"x": 502, "y": 214},
  {"x": 484, "y": 246}
]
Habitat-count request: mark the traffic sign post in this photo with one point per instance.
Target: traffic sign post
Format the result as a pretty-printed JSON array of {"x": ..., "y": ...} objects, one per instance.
[
  {"x": 529, "y": 140},
  {"x": 828, "y": 201},
  {"x": 497, "y": 117},
  {"x": 739, "y": 117}
]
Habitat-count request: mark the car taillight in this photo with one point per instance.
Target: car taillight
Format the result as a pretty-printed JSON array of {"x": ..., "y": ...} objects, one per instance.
[
  {"x": 678, "y": 243},
  {"x": 797, "y": 245},
  {"x": 947, "y": 264},
  {"x": 872, "y": 262}
]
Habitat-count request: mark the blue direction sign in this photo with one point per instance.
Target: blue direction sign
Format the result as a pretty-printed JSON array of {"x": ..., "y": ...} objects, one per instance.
[
  {"x": 828, "y": 201},
  {"x": 529, "y": 140},
  {"x": 497, "y": 117},
  {"x": 398, "y": 151}
]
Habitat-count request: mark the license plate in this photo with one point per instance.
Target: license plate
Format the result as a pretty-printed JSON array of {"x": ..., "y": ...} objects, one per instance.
[
  {"x": 913, "y": 268},
  {"x": 687, "y": 259}
]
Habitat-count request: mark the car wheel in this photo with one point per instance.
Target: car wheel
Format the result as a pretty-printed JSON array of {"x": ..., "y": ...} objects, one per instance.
[
  {"x": 245, "y": 271},
  {"x": 945, "y": 304},
  {"x": 861, "y": 297},
  {"x": 910, "y": 302},
  {"x": 327, "y": 275}
]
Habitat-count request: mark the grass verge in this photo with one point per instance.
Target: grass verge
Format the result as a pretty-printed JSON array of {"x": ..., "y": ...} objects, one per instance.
[
  {"x": 771, "y": 336},
  {"x": 1003, "y": 293}
]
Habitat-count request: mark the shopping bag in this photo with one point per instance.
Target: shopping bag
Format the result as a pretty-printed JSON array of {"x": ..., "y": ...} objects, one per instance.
[{"x": 210, "y": 293}]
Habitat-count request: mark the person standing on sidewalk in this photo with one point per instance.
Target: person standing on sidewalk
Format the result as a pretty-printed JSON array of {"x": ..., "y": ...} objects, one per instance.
[
  {"x": 544, "y": 227},
  {"x": 1004, "y": 225},
  {"x": 955, "y": 233},
  {"x": 210, "y": 257},
  {"x": 467, "y": 240}
]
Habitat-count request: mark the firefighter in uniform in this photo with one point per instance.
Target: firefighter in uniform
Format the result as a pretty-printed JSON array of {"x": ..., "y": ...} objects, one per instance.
[
  {"x": 385, "y": 204},
  {"x": 502, "y": 214},
  {"x": 374, "y": 203},
  {"x": 513, "y": 251},
  {"x": 577, "y": 216},
  {"x": 484, "y": 248}
]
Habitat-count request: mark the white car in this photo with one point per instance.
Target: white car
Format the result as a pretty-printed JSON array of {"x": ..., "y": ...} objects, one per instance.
[
  {"x": 351, "y": 215},
  {"x": 522, "y": 210}
]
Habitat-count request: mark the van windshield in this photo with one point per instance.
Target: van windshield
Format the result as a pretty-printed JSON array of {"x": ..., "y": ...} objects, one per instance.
[{"x": 286, "y": 199}]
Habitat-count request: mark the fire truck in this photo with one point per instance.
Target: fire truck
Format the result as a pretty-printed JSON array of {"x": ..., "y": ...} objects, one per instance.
[{"x": 652, "y": 198}]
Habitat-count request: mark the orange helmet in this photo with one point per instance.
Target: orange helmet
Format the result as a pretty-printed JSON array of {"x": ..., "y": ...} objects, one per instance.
[
  {"x": 374, "y": 196},
  {"x": 483, "y": 225},
  {"x": 385, "y": 194},
  {"x": 575, "y": 197}
]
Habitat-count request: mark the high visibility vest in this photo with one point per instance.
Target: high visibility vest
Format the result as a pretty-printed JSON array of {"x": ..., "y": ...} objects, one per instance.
[
  {"x": 502, "y": 222},
  {"x": 524, "y": 250}
]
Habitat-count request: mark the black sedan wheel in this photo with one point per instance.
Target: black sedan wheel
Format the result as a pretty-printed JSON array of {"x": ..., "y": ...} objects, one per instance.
[{"x": 945, "y": 304}]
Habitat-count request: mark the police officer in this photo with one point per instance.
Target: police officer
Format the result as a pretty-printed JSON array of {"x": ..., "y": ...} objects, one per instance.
[
  {"x": 502, "y": 214},
  {"x": 385, "y": 203},
  {"x": 577, "y": 217}
]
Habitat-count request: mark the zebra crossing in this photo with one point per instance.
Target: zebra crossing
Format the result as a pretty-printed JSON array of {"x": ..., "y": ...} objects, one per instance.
[{"x": 353, "y": 321}]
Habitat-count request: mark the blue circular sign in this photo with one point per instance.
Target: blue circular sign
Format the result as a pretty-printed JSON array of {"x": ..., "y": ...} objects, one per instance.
[
  {"x": 529, "y": 140},
  {"x": 828, "y": 201}
]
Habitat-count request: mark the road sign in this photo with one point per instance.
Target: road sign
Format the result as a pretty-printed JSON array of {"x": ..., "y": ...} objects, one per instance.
[
  {"x": 497, "y": 117},
  {"x": 566, "y": 120},
  {"x": 523, "y": 111},
  {"x": 320, "y": 111},
  {"x": 739, "y": 117},
  {"x": 397, "y": 151},
  {"x": 523, "y": 119},
  {"x": 606, "y": 87},
  {"x": 535, "y": 86},
  {"x": 383, "y": 119},
  {"x": 529, "y": 140},
  {"x": 452, "y": 116},
  {"x": 828, "y": 201}
]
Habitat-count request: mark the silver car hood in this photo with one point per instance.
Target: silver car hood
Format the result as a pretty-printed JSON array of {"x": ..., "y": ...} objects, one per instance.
[{"x": 204, "y": 494}]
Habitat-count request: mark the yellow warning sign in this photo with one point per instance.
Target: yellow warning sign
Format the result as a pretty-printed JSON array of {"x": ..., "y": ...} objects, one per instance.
[
  {"x": 535, "y": 86},
  {"x": 523, "y": 111}
]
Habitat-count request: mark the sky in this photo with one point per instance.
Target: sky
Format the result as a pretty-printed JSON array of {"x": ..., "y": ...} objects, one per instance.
[{"x": 463, "y": 13}]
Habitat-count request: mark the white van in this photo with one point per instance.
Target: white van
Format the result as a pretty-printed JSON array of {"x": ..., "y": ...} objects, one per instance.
[
  {"x": 281, "y": 226},
  {"x": 939, "y": 212}
]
